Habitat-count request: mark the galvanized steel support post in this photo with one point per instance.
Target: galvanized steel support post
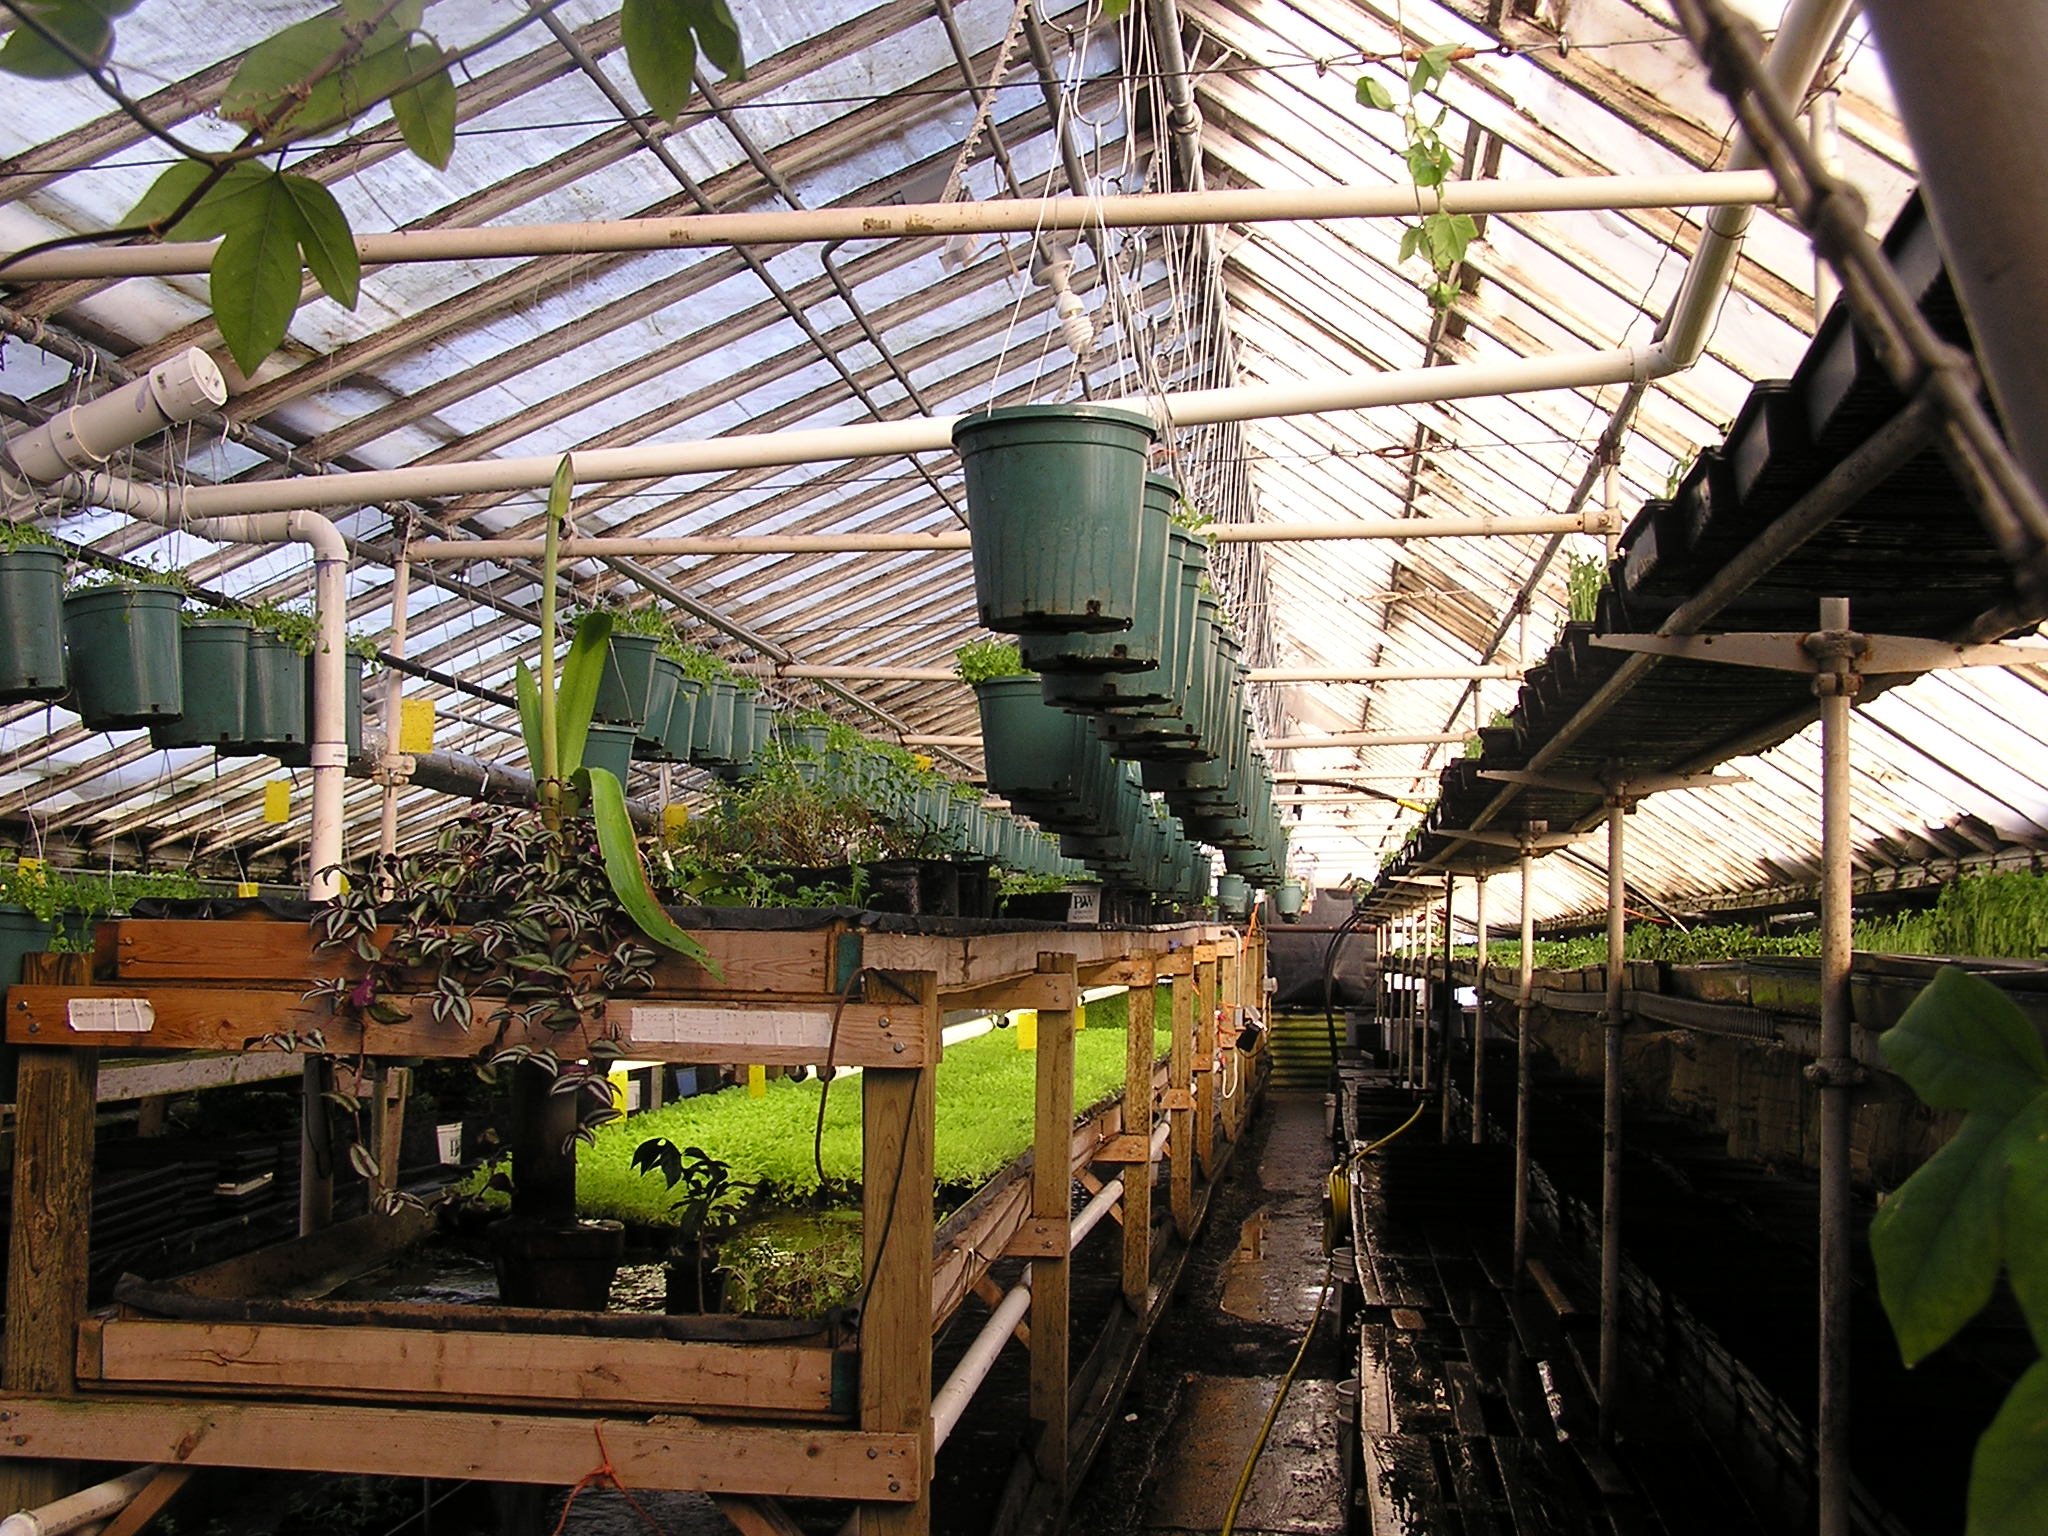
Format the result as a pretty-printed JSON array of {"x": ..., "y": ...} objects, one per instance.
[
  {"x": 1836, "y": 1072},
  {"x": 1427, "y": 931},
  {"x": 1610, "y": 1125},
  {"x": 1449, "y": 1019},
  {"x": 1479, "y": 1012},
  {"x": 1525, "y": 983}
]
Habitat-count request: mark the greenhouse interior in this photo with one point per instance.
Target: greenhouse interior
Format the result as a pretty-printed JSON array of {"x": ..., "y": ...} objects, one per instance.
[{"x": 889, "y": 767}]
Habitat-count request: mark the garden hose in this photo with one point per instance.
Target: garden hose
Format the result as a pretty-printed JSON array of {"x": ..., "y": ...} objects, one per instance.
[{"x": 1244, "y": 1478}]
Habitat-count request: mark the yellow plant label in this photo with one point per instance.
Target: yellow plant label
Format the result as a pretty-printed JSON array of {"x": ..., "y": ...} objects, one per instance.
[
  {"x": 674, "y": 817},
  {"x": 757, "y": 1082},
  {"x": 1026, "y": 1021},
  {"x": 277, "y": 800},
  {"x": 415, "y": 725},
  {"x": 248, "y": 890}
]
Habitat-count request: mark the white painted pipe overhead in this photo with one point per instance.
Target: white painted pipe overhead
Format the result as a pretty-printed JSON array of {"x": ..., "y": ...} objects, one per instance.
[
  {"x": 88, "y": 1507},
  {"x": 951, "y": 540},
  {"x": 86, "y": 436},
  {"x": 922, "y": 434},
  {"x": 1359, "y": 674},
  {"x": 1270, "y": 744},
  {"x": 1259, "y": 205}
]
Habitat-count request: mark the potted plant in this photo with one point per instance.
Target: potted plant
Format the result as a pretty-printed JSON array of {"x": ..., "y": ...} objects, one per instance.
[
  {"x": 1055, "y": 507},
  {"x": 214, "y": 658},
  {"x": 31, "y": 615},
  {"x": 630, "y": 691},
  {"x": 707, "y": 1205},
  {"x": 1141, "y": 648},
  {"x": 122, "y": 634}
]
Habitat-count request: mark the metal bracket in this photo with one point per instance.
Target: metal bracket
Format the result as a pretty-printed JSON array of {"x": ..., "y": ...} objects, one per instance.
[
  {"x": 1839, "y": 1072},
  {"x": 1627, "y": 788}
]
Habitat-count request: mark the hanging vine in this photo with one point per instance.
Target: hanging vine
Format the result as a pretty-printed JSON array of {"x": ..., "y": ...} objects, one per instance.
[{"x": 1440, "y": 238}]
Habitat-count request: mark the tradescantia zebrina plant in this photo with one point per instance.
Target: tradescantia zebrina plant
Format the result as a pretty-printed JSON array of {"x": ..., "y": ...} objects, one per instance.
[{"x": 563, "y": 916}]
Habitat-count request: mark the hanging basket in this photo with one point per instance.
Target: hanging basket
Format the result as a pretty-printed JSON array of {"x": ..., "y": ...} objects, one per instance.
[
  {"x": 622, "y": 691},
  {"x": 125, "y": 658},
  {"x": 273, "y": 698},
  {"x": 1032, "y": 748},
  {"x": 214, "y": 656},
  {"x": 609, "y": 747},
  {"x": 1055, "y": 508},
  {"x": 31, "y": 625},
  {"x": 1139, "y": 649},
  {"x": 651, "y": 741},
  {"x": 711, "y": 734},
  {"x": 300, "y": 755},
  {"x": 682, "y": 719}
]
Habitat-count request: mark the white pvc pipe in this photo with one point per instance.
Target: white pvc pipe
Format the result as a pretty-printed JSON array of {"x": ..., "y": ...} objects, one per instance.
[
  {"x": 951, "y": 1400},
  {"x": 955, "y": 539},
  {"x": 1360, "y": 674},
  {"x": 74, "y": 1512},
  {"x": 1549, "y": 194},
  {"x": 87, "y": 435},
  {"x": 1269, "y": 744},
  {"x": 923, "y": 434}
]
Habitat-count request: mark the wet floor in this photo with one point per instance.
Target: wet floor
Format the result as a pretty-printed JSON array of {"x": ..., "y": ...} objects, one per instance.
[{"x": 1219, "y": 1354}]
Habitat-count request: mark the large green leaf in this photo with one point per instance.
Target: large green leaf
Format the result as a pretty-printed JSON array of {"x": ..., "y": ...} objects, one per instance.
[
  {"x": 2009, "y": 1476},
  {"x": 83, "y": 24},
  {"x": 426, "y": 111},
  {"x": 167, "y": 194},
  {"x": 719, "y": 36},
  {"x": 270, "y": 86},
  {"x": 629, "y": 876},
  {"x": 661, "y": 50},
  {"x": 582, "y": 672},
  {"x": 1963, "y": 1044},
  {"x": 528, "y": 692},
  {"x": 2026, "y": 1216},
  {"x": 1936, "y": 1241},
  {"x": 326, "y": 241},
  {"x": 239, "y": 199},
  {"x": 254, "y": 279}
]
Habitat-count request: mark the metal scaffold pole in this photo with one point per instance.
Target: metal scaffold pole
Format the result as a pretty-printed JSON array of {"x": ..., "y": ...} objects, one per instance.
[
  {"x": 1479, "y": 1013},
  {"x": 1449, "y": 1015},
  {"x": 1610, "y": 1124},
  {"x": 1525, "y": 983}
]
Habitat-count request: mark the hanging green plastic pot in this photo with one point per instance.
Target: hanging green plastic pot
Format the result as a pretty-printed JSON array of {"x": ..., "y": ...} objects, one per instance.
[
  {"x": 215, "y": 663},
  {"x": 1233, "y": 897},
  {"x": 125, "y": 658},
  {"x": 622, "y": 691},
  {"x": 1031, "y": 748},
  {"x": 31, "y": 625},
  {"x": 711, "y": 735},
  {"x": 300, "y": 754},
  {"x": 651, "y": 739},
  {"x": 682, "y": 719},
  {"x": 609, "y": 747},
  {"x": 274, "y": 696},
  {"x": 21, "y": 933},
  {"x": 1139, "y": 648},
  {"x": 1055, "y": 508}
]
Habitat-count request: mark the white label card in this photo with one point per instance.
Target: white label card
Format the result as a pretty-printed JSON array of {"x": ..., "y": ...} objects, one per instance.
[
  {"x": 734, "y": 1028},
  {"x": 110, "y": 1015}
]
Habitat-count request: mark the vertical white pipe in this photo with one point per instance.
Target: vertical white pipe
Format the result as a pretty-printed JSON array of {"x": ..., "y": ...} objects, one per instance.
[
  {"x": 1835, "y": 1072},
  {"x": 1610, "y": 1125},
  {"x": 1824, "y": 133},
  {"x": 394, "y": 702},
  {"x": 1479, "y": 1015},
  {"x": 1525, "y": 992}
]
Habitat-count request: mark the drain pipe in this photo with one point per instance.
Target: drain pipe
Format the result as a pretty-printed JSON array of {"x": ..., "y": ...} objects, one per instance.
[
  {"x": 88, "y": 1507},
  {"x": 951, "y": 1400}
]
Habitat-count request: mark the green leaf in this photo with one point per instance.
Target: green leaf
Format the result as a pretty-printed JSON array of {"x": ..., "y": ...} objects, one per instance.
[
  {"x": 661, "y": 50},
  {"x": 1431, "y": 67},
  {"x": 2026, "y": 1215},
  {"x": 528, "y": 692},
  {"x": 271, "y": 83},
  {"x": 1411, "y": 239},
  {"x": 1936, "y": 1241},
  {"x": 1115, "y": 10},
  {"x": 1427, "y": 167},
  {"x": 168, "y": 193},
  {"x": 325, "y": 239},
  {"x": 240, "y": 199},
  {"x": 254, "y": 281},
  {"x": 1963, "y": 1044},
  {"x": 718, "y": 35},
  {"x": 2009, "y": 1475},
  {"x": 582, "y": 672},
  {"x": 426, "y": 112},
  {"x": 1371, "y": 93},
  {"x": 83, "y": 24},
  {"x": 628, "y": 875}
]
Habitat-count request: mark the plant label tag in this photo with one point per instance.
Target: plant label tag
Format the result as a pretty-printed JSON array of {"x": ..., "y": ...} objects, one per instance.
[
  {"x": 110, "y": 1015},
  {"x": 416, "y": 725},
  {"x": 1084, "y": 905},
  {"x": 729, "y": 1029}
]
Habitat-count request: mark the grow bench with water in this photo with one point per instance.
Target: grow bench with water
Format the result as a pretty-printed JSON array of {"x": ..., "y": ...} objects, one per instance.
[{"x": 241, "y": 1366}]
